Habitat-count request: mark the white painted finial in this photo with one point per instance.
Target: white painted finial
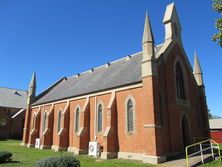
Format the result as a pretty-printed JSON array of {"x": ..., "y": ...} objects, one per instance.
[
  {"x": 147, "y": 33},
  {"x": 172, "y": 23},
  {"x": 197, "y": 72}
]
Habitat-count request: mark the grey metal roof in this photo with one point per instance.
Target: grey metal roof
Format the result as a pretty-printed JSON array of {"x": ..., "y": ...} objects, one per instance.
[
  {"x": 122, "y": 72},
  {"x": 12, "y": 98},
  {"x": 215, "y": 123}
]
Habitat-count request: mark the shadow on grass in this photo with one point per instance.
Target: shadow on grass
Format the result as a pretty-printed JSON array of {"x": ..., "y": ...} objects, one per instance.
[
  {"x": 11, "y": 162},
  {"x": 3, "y": 139}
]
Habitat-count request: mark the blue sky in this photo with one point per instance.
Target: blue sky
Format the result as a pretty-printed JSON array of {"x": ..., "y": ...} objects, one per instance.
[{"x": 59, "y": 38}]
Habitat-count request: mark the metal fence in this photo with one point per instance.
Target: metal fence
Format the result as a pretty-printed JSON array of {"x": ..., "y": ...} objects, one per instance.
[{"x": 200, "y": 148}]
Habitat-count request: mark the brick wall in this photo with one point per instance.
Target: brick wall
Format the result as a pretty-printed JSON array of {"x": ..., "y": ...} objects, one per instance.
[{"x": 157, "y": 132}]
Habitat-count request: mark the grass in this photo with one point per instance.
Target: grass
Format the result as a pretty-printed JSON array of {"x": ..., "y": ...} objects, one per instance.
[
  {"x": 214, "y": 163},
  {"x": 27, "y": 157}
]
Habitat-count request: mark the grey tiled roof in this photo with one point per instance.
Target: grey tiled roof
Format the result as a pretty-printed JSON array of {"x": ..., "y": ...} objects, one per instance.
[
  {"x": 118, "y": 73},
  {"x": 12, "y": 98}
]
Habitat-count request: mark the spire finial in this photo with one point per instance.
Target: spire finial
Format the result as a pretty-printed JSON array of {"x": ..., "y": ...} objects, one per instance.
[
  {"x": 197, "y": 72},
  {"x": 33, "y": 80},
  {"x": 147, "y": 34},
  {"x": 197, "y": 68},
  {"x": 32, "y": 85}
]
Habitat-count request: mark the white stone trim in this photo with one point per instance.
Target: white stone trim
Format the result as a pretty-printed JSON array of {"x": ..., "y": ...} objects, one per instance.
[
  {"x": 56, "y": 148},
  {"x": 86, "y": 104},
  {"x": 185, "y": 77},
  {"x": 130, "y": 97},
  {"x": 34, "y": 117},
  {"x": 152, "y": 126},
  {"x": 60, "y": 132},
  {"x": 107, "y": 132},
  {"x": 130, "y": 156},
  {"x": 154, "y": 159},
  {"x": 141, "y": 157},
  {"x": 44, "y": 132},
  {"x": 100, "y": 102},
  {"x": 77, "y": 151},
  {"x": 92, "y": 95},
  {"x": 108, "y": 155},
  {"x": 75, "y": 111},
  {"x": 66, "y": 107},
  {"x": 42, "y": 147},
  {"x": 112, "y": 98},
  {"x": 50, "y": 110},
  {"x": 46, "y": 122},
  {"x": 80, "y": 132}
]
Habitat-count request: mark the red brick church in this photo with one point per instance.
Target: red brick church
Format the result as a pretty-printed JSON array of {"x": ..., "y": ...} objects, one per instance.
[{"x": 146, "y": 106}]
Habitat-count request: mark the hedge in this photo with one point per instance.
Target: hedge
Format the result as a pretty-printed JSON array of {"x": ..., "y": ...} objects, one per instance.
[
  {"x": 5, "y": 156},
  {"x": 63, "y": 161}
]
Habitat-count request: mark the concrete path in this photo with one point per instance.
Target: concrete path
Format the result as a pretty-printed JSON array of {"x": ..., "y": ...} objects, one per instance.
[{"x": 181, "y": 161}]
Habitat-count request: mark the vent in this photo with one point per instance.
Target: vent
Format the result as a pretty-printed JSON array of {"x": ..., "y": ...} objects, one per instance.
[
  {"x": 128, "y": 57},
  {"x": 107, "y": 65},
  {"x": 64, "y": 80},
  {"x": 91, "y": 70},
  {"x": 77, "y": 75}
]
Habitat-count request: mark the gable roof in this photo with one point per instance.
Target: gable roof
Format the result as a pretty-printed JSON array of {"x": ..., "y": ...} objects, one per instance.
[
  {"x": 119, "y": 73},
  {"x": 12, "y": 98}
]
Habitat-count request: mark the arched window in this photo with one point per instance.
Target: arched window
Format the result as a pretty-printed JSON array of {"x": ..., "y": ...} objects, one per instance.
[
  {"x": 99, "y": 118},
  {"x": 59, "y": 120},
  {"x": 180, "y": 83},
  {"x": 77, "y": 120},
  {"x": 130, "y": 115},
  {"x": 44, "y": 121}
]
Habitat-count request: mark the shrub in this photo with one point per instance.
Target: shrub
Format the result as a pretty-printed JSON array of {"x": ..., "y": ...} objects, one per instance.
[
  {"x": 64, "y": 161},
  {"x": 5, "y": 156}
]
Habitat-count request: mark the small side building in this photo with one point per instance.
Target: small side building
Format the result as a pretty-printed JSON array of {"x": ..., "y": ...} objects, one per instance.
[
  {"x": 12, "y": 112},
  {"x": 216, "y": 129}
]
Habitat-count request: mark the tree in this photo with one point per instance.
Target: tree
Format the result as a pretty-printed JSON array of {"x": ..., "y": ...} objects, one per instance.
[
  {"x": 2, "y": 122},
  {"x": 210, "y": 116},
  {"x": 217, "y": 6}
]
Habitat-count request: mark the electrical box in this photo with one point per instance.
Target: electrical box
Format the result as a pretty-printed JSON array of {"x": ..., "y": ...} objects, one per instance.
[
  {"x": 37, "y": 143},
  {"x": 94, "y": 148}
]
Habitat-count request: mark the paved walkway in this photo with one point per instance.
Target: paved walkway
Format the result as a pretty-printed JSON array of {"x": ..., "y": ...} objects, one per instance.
[{"x": 181, "y": 161}]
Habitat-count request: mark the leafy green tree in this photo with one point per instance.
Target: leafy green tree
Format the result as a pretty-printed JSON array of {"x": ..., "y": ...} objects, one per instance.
[{"x": 217, "y": 6}]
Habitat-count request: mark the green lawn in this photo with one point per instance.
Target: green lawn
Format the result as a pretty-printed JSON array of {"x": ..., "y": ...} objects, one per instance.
[{"x": 27, "y": 157}]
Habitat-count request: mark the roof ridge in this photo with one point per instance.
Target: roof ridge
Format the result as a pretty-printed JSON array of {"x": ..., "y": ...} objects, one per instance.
[
  {"x": 13, "y": 88},
  {"x": 104, "y": 65}
]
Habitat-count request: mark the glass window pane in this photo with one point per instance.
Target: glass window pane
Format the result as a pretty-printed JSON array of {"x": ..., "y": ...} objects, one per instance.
[
  {"x": 130, "y": 116},
  {"x": 100, "y": 118},
  {"x": 77, "y": 120},
  {"x": 44, "y": 121},
  {"x": 59, "y": 121}
]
